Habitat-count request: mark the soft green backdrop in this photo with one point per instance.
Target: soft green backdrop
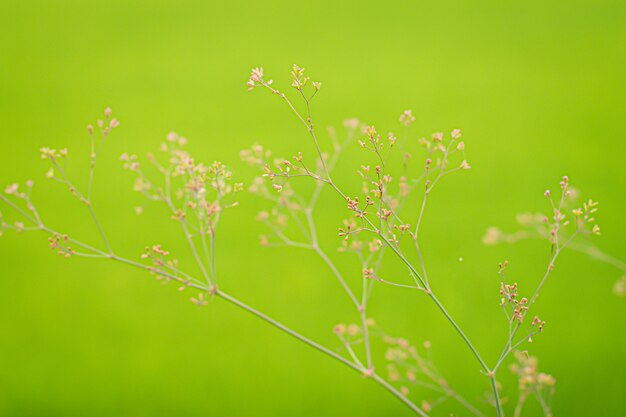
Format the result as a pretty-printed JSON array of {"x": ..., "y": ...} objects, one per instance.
[{"x": 538, "y": 89}]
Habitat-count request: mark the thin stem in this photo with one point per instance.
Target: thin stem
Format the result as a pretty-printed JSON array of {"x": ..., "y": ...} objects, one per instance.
[
  {"x": 194, "y": 251},
  {"x": 599, "y": 255},
  {"x": 189, "y": 239},
  {"x": 466, "y": 403},
  {"x": 18, "y": 209},
  {"x": 375, "y": 377},
  {"x": 459, "y": 331},
  {"x": 398, "y": 395},
  {"x": 312, "y": 132},
  {"x": 366, "y": 337},
  {"x": 519, "y": 406},
  {"x": 438, "y": 304},
  {"x": 395, "y": 250},
  {"x": 496, "y": 395},
  {"x": 507, "y": 348},
  {"x": 287, "y": 330},
  {"x": 99, "y": 226},
  {"x": 416, "y": 233},
  {"x": 308, "y": 125},
  {"x": 337, "y": 274},
  {"x": 86, "y": 201},
  {"x": 77, "y": 242}
]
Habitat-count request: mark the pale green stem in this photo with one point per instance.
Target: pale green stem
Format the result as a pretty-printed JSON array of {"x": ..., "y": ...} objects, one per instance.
[
  {"x": 395, "y": 250},
  {"x": 496, "y": 395},
  {"x": 87, "y": 202},
  {"x": 399, "y": 395}
]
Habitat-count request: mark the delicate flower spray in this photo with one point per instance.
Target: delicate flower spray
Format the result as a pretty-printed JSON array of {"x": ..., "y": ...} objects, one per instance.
[{"x": 379, "y": 223}]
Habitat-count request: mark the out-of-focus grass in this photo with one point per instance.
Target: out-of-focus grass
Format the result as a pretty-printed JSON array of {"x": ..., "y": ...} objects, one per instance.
[{"x": 536, "y": 88}]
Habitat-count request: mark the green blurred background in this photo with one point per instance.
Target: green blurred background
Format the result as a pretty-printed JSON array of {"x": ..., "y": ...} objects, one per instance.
[{"x": 537, "y": 88}]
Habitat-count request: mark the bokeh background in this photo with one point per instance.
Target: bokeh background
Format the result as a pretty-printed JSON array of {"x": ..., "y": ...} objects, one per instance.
[{"x": 538, "y": 89}]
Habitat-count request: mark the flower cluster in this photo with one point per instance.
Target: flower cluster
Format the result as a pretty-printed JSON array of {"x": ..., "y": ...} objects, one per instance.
[
  {"x": 166, "y": 269},
  {"x": 557, "y": 227},
  {"x": 191, "y": 190},
  {"x": 160, "y": 262},
  {"x": 256, "y": 79},
  {"x": 569, "y": 220},
  {"x": 19, "y": 198},
  {"x": 407, "y": 118},
  {"x": 195, "y": 194},
  {"x": 413, "y": 369},
  {"x": 516, "y": 309},
  {"x": 60, "y": 243},
  {"x": 532, "y": 383}
]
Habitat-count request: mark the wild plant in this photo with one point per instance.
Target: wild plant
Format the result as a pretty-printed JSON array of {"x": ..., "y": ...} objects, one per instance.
[
  {"x": 535, "y": 226},
  {"x": 198, "y": 196}
]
